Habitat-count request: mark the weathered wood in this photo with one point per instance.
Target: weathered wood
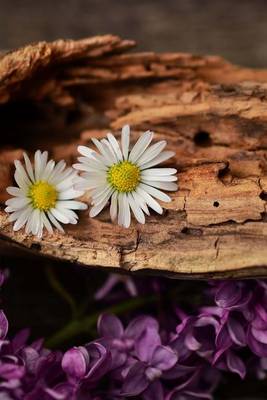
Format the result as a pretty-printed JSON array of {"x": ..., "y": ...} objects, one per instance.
[{"x": 213, "y": 115}]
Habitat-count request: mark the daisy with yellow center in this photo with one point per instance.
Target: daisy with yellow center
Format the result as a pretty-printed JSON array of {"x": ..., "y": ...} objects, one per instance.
[
  {"x": 44, "y": 196},
  {"x": 126, "y": 177}
]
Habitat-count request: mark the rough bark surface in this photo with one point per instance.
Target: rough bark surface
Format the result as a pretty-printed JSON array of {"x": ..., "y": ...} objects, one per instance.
[{"x": 213, "y": 115}]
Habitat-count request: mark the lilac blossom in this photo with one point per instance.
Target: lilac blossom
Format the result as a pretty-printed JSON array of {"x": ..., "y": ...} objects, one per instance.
[
  {"x": 178, "y": 356},
  {"x": 112, "y": 281},
  {"x": 153, "y": 360},
  {"x": 121, "y": 341}
]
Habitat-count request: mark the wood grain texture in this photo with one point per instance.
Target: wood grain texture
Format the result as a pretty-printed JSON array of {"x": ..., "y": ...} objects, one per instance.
[{"x": 212, "y": 114}]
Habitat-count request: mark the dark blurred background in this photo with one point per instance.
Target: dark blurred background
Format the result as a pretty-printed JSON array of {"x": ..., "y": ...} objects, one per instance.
[{"x": 236, "y": 30}]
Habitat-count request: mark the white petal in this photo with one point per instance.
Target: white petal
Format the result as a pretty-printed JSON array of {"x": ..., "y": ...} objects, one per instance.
[
  {"x": 150, "y": 201},
  {"x": 22, "y": 219},
  {"x": 92, "y": 163},
  {"x": 28, "y": 228},
  {"x": 89, "y": 183},
  {"x": 21, "y": 176},
  {"x": 69, "y": 194},
  {"x": 88, "y": 161},
  {"x": 100, "y": 193},
  {"x": 152, "y": 152},
  {"x": 165, "y": 155},
  {"x": 103, "y": 151},
  {"x": 114, "y": 143},
  {"x": 64, "y": 185},
  {"x": 37, "y": 164},
  {"x": 20, "y": 170},
  {"x": 104, "y": 198},
  {"x": 159, "y": 172},
  {"x": 59, "y": 216},
  {"x": 48, "y": 171},
  {"x": 71, "y": 215},
  {"x": 21, "y": 182},
  {"x": 18, "y": 202},
  {"x": 40, "y": 160},
  {"x": 85, "y": 151},
  {"x": 141, "y": 202},
  {"x": 81, "y": 167},
  {"x": 137, "y": 211},
  {"x": 110, "y": 150},
  {"x": 155, "y": 193},
  {"x": 140, "y": 146},
  {"x": 44, "y": 158},
  {"x": 151, "y": 178},
  {"x": 15, "y": 215},
  {"x": 170, "y": 186},
  {"x": 125, "y": 140},
  {"x": 39, "y": 224},
  {"x": 15, "y": 191},
  {"x": 55, "y": 222},
  {"x": 87, "y": 168},
  {"x": 46, "y": 223},
  {"x": 60, "y": 166},
  {"x": 72, "y": 204},
  {"x": 126, "y": 212},
  {"x": 95, "y": 210},
  {"x": 114, "y": 206},
  {"x": 35, "y": 221},
  {"x": 39, "y": 232},
  {"x": 100, "y": 175},
  {"x": 99, "y": 190},
  {"x": 121, "y": 209},
  {"x": 28, "y": 165},
  {"x": 69, "y": 174},
  {"x": 100, "y": 159}
]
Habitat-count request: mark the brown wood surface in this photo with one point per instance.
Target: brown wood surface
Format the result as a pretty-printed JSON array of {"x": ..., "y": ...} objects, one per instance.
[{"x": 212, "y": 113}]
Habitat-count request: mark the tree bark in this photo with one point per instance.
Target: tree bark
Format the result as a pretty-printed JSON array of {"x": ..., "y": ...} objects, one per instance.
[{"x": 213, "y": 115}]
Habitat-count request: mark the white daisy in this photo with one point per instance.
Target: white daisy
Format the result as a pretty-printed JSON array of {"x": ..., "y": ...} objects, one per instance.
[
  {"x": 126, "y": 176},
  {"x": 44, "y": 195}
]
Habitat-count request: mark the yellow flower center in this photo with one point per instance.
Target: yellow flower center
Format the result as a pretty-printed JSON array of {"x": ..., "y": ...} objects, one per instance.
[
  {"x": 124, "y": 177},
  {"x": 43, "y": 195}
]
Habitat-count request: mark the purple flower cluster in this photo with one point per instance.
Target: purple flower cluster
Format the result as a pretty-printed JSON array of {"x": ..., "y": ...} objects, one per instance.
[{"x": 181, "y": 359}]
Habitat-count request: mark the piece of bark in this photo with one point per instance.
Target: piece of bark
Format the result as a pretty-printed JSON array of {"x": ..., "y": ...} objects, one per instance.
[{"x": 213, "y": 115}]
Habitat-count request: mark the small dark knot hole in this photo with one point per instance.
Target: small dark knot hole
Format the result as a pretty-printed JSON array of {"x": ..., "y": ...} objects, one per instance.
[
  {"x": 202, "y": 139},
  {"x": 263, "y": 196},
  {"x": 216, "y": 204},
  {"x": 36, "y": 246}
]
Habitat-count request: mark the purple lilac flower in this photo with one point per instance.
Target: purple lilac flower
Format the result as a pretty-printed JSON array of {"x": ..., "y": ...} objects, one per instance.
[
  {"x": 190, "y": 389},
  {"x": 84, "y": 367},
  {"x": 121, "y": 341},
  {"x": 153, "y": 360},
  {"x": 182, "y": 356},
  {"x": 241, "y": 307},
  {"x": 112, "y": 281}
]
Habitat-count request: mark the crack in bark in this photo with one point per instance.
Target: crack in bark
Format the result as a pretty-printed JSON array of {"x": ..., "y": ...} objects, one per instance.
[
  {"x": 124, "y": 253},
  {"x": 217, "y": 247}
]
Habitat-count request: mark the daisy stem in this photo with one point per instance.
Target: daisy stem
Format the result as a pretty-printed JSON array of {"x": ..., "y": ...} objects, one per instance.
[
  {"x": 83, "y": 325},
  {"x": 62, "y": 292}
]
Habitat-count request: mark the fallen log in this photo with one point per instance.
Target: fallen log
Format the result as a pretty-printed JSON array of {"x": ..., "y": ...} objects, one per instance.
[{"x": 213, "y": 114}]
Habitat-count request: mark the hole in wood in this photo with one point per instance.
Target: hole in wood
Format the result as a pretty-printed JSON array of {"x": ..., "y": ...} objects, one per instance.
[
  {"x": 36, "y": 246},
  {"x": 202, "y": 139},
  {"x": 263, "y": 196},
  {"x": 216, "y": 204},
  {"x": 191, "y": 231}
]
